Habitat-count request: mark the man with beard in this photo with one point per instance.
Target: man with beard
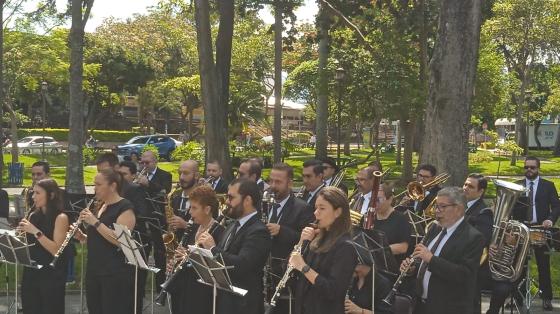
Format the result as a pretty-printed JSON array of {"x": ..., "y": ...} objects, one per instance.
[
  {"x": 214, "y": 173},
  {"x": 539, "y": 206},
  {"x": 245, "y": 245},
  {"x": 286, "y": 219}
]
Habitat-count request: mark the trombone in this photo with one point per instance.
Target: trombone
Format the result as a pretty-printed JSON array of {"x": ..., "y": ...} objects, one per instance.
[
  {"x": 138, "y": 175},
  {"x": 416, "y": 191}
]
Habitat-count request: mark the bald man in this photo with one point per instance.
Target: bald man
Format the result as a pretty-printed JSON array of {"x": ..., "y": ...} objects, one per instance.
[{"x": 188, "y": 177}]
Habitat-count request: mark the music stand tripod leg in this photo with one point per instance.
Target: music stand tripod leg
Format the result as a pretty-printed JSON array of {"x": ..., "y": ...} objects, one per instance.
[{"x": 82, "y": 261}]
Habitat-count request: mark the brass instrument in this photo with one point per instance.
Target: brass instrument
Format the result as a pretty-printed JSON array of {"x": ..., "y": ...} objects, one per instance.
[
  {"x": 169, "y": 239},
  {"x": 391, "y": 296},
  {"x": 140, "y": 174},
  {"x": 510, "y": 239},
  {"x": 338, "y": 177},
  {"x": 268, "y": 200},
  {"x": 300, "y": 192},
  {"x": 70, "y": 234},
  {"x": 355, "y": 218},
  {"x": 416, "y": 191}
]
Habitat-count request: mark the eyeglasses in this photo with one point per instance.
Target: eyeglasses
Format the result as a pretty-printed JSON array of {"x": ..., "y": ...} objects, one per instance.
[
  {"x": 424, "y": 176},
  {"x": 443, "y": 207},
  {"x": 530, "y": 167}
]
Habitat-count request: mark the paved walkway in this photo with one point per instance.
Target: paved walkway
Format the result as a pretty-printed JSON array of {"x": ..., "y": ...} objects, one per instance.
[{"x": 73, "y": 306}]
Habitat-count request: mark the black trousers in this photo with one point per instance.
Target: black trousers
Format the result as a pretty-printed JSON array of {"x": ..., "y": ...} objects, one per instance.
[
  {"x": 543, "y": 265},
  {"x": 42, "y": 291},
  {"x": 159, "y": 255},
  {"x": 112, "y": 294}
]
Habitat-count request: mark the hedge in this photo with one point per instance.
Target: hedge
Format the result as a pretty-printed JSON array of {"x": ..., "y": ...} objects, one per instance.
[{"x": 62, "y": 134}]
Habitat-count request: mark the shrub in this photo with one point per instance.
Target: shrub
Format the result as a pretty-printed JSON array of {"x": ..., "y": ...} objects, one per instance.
[
  {"x": 62, "y": 134},
  {"x": 190, "y": 150},
  {"x": 89, "y": 155},
  {"x": 480, "y": 157},
  {"x": 150, "y": 147}
]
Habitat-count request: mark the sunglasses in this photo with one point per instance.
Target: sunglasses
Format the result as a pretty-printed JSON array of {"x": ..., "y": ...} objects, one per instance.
[{"x": 530, "y": 167}]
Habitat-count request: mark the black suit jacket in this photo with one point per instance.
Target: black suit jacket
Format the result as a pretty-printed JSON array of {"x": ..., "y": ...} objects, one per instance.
[
  {"x": 311, "y": 202},
  {"x": 161, "y": 180},
  {"x": 136, "y": 195},
  {"x": 335, "y": 269},
  {"x": 221, "y": 186},
  {"x": 452, "y": 284},
  {"x": 546, "y": 202},
  {"x": 247, "y": 253},
  {"x": 296, "y": 215},
  {"x": 428, "y": 199},
  {"x": 480, "y": 216}
]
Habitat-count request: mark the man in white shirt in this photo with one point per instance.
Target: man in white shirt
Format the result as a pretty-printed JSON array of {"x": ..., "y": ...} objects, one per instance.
[{"x": 446, "y": 276}]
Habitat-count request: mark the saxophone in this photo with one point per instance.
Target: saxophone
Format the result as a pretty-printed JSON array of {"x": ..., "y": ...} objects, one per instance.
[{"x": 169, "y": 239}]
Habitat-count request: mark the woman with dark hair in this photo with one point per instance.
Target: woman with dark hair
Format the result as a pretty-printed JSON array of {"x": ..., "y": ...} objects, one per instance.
[
  {"x": 109, "y": 280},
  {"x": 192, "y": 296},
  {"x": 327, "y": 267},
  {"x": 45, "y": 228}
]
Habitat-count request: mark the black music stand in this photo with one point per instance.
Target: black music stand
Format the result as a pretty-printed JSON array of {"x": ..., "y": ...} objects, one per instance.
[
  {"x": 212, "y": 272},
  {"x": 15, "y": 252},
  {"x": 133, "y": 256}
]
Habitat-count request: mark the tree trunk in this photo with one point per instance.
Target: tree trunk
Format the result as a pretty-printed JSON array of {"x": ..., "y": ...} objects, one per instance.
[
  {"x": 277, "y": 129},
  {"x": 422, "y": 75},
  {"x": 322, "y": 115},
  {"x": 557, "y": 143},
  {"x": 452, "y": 79},
  {"x": 520, "y": 124},
  {"x": 190, "y": 124},
  {"x": 347, "y": 138},
  {"x": 535, "y": 133},
  {"x": 74, "y": 166},
  {"x": 376, "y": 124},
  {"x": 13, "y": 130},
  {"x": 216, "y": 122},
  {"x": 2, "y": 93},
  {"x": 408, "y": 130}
]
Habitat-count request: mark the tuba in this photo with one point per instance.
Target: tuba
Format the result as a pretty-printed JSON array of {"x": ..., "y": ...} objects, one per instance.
[{"x": 510, "y": 239}]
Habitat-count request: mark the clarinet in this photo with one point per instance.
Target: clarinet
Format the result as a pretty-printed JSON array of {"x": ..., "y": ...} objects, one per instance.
[
  {"x": 69, "y": 235},
  {"x": 391, "y": 296}
]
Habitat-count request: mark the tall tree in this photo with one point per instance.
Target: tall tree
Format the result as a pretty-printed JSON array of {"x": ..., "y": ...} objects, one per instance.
[
  {"x": 321, "y": 122},
  {"x": 80, "y": 11},
  {"x": 213, "y": 79},
  {"x": 451, "y": 86}
]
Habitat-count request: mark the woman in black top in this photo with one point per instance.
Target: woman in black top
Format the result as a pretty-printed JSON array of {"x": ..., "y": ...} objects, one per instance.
[
  {"x": 359, "y": 294},
  {"x": 45, "y": 227},
  {"x": 327, "y": 267},
  {"x": 393, "y": 224},
  {"x": 187, "y": 294},
  {"x": 109, "y": 280}
]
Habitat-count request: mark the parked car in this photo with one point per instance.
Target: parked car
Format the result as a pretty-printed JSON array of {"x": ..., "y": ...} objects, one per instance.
[
  {"x": 34, "y": 145},
  {"x": 165, "y": 145}
]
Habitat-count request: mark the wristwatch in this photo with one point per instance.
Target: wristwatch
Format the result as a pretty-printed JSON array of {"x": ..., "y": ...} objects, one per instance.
[
  {"x": 38, "y": 234},
  {"x": 305, "y": 269},
  {"x": 96, "y": 224}
]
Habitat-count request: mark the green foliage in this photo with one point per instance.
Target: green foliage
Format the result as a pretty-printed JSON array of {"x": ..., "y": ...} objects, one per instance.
[
  {"x": 89, "y": 155},
  {"x": 510, "y": 147},
  {"x": 481, "y": 157},
  {"x": 151, "y": 148},
  {"x": 492, "y": 136},
  {"x": 189, "y": 151},
  {"x": 62, "y": 134}
]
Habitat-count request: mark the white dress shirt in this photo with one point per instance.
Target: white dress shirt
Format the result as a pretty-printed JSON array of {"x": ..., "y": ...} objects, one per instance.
[
  {"x": 365, "y": 204},
  {"x": 279, "y": 209},
  {"x": 428, "y": 273}
]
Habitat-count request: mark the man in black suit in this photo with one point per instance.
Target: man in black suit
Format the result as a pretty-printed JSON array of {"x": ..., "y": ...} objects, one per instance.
[
  {"x": 252, "y": 169},
  {"x": 543, "y": 209},
  {"x": 245, "y": 246},
  {"x": 312, "y": 174},
  {"x": 287, "y": 218},
  {"x": 39, "y": 170},
  {"x": 480, "y": 216},
  {"x": 156, "y": 183},
  {"x": 446, "y": 276},
  {"x": 214, "y": 173},
  {"x": 425, "y": 174},
  {"x": 330, "y": 170},
  {"x": 364, "y": 184}
]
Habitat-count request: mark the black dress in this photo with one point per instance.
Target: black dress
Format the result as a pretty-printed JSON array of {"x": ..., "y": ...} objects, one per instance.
[
  {"x": 396, "y": 229},
  {"x": 187, "y": 294},
  {"x": 109, "y": 280},
  {"x": 42, "y": 290},
  {"x": 362, "y": 296},
  {"x": 335, "y": 269}
]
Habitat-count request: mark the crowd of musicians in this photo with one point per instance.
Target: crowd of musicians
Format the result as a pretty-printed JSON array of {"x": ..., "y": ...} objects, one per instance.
[{"x": 374, "y": 249}]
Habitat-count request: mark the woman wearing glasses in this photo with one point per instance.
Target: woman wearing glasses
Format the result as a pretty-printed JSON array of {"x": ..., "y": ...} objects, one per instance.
[
  {"x": 45, "y": 228},
  {"x": 328, "y": 265}
]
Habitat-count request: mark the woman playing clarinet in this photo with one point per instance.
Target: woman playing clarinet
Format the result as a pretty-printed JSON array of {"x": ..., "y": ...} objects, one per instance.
[{"x": 45, "y": 229}]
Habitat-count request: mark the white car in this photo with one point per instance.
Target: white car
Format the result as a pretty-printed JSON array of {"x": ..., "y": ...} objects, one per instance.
[{"x": 34, "y": 145}]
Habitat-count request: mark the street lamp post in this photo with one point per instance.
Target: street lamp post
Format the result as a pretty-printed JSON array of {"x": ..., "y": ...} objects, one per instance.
[
  {"x": 44, "y": 89},
  {"x": 339, "y": 77}
]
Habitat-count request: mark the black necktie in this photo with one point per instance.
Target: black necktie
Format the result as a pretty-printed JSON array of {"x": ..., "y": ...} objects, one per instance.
[
  {"x": 274, "y": 217},
  {"x": 232, "y": 235},
  {"x": 183, "y": 206},
  {"x": 306, "y": 196},
  {"x": 531, "y": 202},
  {"x": 360, "y": 204},
  {"x": 424, "y": 266}
]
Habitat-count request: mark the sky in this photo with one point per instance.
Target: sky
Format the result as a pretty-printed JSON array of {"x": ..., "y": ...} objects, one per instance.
[{"x": 122, "y": 9}]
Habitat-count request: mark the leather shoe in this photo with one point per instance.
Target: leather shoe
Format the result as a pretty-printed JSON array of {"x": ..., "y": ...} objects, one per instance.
[{"x": 547, "y": 305}]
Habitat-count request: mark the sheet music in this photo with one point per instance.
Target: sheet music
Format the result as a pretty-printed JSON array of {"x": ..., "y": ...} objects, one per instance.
[
  {"x": 201, "y": 251},
  {"x": 129, "y": 248}
]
